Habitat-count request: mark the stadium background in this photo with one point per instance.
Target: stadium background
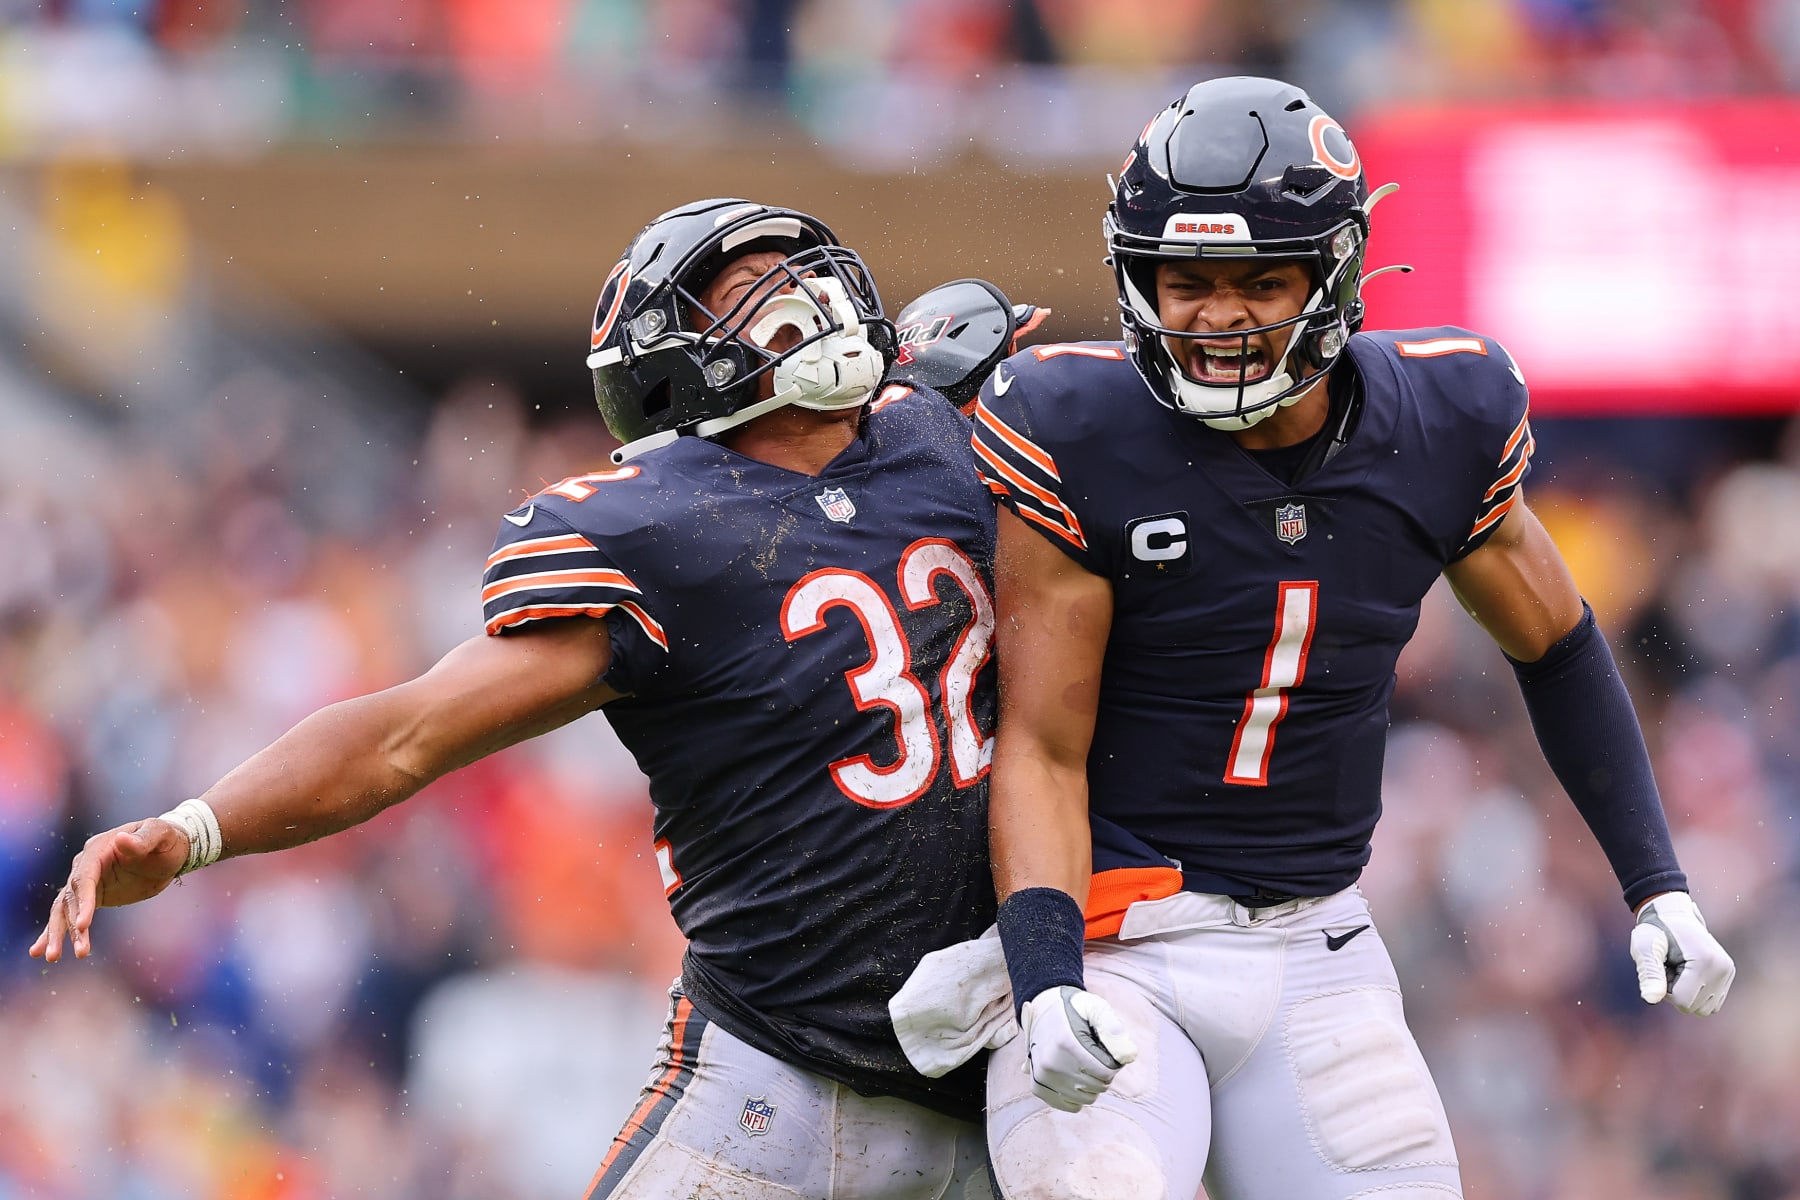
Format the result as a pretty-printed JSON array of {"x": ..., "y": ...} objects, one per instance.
[{"x": 292, "y": 309}]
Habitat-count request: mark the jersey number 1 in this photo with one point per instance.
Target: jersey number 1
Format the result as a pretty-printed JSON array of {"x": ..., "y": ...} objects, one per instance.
[
  {"x": 887, "y": 679},
  {"x": 1284, "y": 666}
]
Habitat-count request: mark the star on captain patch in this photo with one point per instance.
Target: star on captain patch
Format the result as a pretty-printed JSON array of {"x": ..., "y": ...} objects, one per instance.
[
  {"x": 757, "y": 1114},
  {"x": 836, "y": 505},
  {"x": 1290, "y": 522}
]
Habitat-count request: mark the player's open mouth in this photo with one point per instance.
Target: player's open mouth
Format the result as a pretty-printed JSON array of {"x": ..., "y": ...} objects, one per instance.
[{"x": 1228, "y": 364}]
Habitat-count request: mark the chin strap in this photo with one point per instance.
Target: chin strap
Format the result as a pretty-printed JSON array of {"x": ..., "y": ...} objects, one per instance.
[
  {"x": 1195, "y": 398},
  {"x": 631, "y": 450},
  {"x": 1241, "y": 421},
  {"x": 718, "y": 425},
  {"x": 833, "y": 372}
]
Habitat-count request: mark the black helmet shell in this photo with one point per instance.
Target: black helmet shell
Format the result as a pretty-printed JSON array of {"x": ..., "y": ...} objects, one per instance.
[{"x": 1241, "y": 166}]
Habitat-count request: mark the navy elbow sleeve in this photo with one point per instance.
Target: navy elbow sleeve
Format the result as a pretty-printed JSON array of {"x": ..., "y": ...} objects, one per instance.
[{"x": 1589, "y": 733}]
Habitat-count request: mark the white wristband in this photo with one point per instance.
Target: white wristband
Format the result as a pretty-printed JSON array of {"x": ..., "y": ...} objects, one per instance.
[{"x": 196, "y": 819}]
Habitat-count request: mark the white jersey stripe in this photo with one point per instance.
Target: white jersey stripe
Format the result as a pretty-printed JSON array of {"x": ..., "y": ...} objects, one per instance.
[{"x": 1432, "y": 347}]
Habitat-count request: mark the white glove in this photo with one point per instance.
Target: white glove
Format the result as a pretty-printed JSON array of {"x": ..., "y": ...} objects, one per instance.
[
  {"x": 955, "y": 1004},
  {"x": 1677, "y": 957},
  {"x": 1075, "y": 1044}
]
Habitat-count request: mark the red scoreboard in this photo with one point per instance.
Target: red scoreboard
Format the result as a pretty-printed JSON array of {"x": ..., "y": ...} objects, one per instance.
[{"x": 1634, "y": 259}]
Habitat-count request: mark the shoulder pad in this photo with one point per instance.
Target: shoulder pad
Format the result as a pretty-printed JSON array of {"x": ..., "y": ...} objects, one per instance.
[
  {"x": 601, "y": 504},
  {"x": 1470, "y": 370},
  {"x": 1054, "y": 368}
]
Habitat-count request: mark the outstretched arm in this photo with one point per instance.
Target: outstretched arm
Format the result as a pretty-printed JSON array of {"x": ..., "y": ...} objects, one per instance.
[
  {"x": 1518, "y": 588},
  {"x": 346, "y": 763}
]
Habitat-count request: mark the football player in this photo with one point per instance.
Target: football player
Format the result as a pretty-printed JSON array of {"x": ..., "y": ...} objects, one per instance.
[
  {"x": 1218, "y": 532},
  {"x": 780, "y": 598}
]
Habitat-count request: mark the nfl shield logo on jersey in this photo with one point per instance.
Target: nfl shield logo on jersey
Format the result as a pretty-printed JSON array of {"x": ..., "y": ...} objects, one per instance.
[
  {"x": 757, "y": 1114},
  {"x": 1290, "y": 522},
  {"x": 836, "y": 504}
]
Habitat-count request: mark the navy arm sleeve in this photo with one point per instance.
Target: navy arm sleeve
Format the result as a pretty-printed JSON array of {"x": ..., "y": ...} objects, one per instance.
[{"x": 1589, "y": 734}]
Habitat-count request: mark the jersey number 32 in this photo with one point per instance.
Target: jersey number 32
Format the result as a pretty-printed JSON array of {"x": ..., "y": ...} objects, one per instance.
[{"x": 888, "y": 681}]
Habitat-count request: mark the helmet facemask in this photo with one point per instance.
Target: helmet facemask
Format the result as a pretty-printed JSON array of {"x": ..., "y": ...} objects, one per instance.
[
  {"x": 808, "y": 331},
  {"x": 1240, "y": 169},
  {"x": 813, "y": 322},
  {"x": 1309, "y": 342}
]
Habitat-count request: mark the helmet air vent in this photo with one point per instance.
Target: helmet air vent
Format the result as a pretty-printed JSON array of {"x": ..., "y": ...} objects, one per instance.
[
  {"x": 1301, "y": 180},
  {"x": 1216, "y": 153}
]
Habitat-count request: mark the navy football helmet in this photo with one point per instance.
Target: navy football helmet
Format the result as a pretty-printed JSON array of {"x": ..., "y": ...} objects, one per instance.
[
  {"x": 1241, "y": 167},
  {"x": 664, "y": 365},
  {"x": 953, "y": 336}
]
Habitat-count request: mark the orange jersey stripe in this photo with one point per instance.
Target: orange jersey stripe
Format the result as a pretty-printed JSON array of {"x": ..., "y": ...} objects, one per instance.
[
  {"x": 889, "y": 394},
  {"x": 647, "y": 622},
  {"x": 591, "y": 577},
  {"x": 1434, "y": 347},
  {"x": 546, "y": 545},
  {"x": 533, "y": 612},
  {"x": 1031, "y": 514},
  {"x": 1071, "y": 527},
  {"x": 1039, "y": 457},
  {"x": 1524, "y": 427},
  {"x": 1500, "y": 510},
  {"x": 1013, "y": 476},
  {"x": 1511, "y": 477},
  {"x": 1051, "y": 351}
]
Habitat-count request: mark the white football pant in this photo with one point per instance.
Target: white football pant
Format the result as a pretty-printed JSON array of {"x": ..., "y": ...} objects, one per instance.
[
  {"x": 721, "y": 1118},
  {"x": 1274, "y": 1063}
]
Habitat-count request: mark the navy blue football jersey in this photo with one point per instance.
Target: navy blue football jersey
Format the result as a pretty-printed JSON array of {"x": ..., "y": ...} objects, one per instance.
[
  {"x": 809, "y": 690},
  {"x": 1243, "y": 705}
]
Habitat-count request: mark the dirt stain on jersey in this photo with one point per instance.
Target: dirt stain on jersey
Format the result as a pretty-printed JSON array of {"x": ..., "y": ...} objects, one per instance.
[{"x": 764, "y": 559}]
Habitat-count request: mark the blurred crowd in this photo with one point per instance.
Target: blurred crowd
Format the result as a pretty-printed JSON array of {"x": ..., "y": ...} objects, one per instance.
[
  {"x": 877, "y": 81},
  {"x": 458, "y": 1000}
]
